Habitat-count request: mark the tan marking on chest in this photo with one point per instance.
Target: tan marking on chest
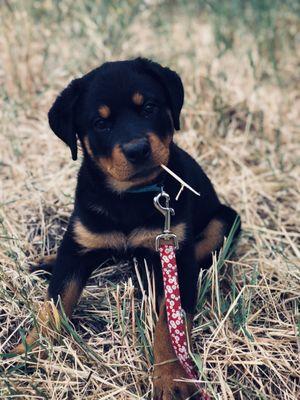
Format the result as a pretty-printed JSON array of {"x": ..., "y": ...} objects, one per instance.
[
  {"x": 93, "y": 241},
  {"x": 140, "y": 237}
]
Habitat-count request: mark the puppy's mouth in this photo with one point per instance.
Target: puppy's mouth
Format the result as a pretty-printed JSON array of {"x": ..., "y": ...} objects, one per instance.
[
  {"x": 145, "y": 172},
  {"x": 138, "y": 178}
]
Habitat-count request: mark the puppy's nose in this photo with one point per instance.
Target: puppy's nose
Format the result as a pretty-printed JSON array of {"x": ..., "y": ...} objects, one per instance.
[{"x": 137, "y": 151}]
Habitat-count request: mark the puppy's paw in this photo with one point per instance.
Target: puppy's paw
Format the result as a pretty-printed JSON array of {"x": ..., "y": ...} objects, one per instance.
[
  {"x": 23, "y": 348},
  {"x": 44, "y": 264},
  {"x": 29, "y": 342},
  {"x": 49, "y": 323},
  {"x": 166, "y": 385}
]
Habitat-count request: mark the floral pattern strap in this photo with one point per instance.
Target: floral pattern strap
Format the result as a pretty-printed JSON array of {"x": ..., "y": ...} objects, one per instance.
[{"x": 175, "y": 314}]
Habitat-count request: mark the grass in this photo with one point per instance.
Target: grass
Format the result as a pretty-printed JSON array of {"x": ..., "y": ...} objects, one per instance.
[{"x": 238, "y": 61}]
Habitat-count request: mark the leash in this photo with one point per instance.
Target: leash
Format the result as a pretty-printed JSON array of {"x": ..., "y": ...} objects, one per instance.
[{"x": 167, "y": 244}]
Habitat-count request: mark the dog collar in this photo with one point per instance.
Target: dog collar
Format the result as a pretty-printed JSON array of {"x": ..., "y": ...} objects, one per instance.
[{"x": 156, "y": 187}]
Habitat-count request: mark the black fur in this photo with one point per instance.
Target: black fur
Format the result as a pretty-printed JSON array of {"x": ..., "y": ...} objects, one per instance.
[{"x": 102, "y": 209}]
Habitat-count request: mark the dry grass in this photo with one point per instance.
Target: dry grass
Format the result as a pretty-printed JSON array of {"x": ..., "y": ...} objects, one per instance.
[{"x": 239, "y": 121}]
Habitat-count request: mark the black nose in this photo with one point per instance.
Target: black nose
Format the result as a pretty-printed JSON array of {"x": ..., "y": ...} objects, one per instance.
[{"x": 137, "y": 151}]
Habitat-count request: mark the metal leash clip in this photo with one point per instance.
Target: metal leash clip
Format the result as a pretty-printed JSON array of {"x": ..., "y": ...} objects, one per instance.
[{"x": 167, "y": 212}]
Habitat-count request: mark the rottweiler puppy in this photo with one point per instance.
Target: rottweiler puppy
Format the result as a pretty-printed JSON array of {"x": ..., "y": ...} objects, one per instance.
[{"x": 124, "y": 114}]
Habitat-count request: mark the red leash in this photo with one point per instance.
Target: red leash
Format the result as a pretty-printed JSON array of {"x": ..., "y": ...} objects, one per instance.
[{"x": 175, "y": 313}]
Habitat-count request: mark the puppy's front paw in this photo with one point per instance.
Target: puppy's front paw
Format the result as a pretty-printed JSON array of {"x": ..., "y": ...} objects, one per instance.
[
  {"x": 44, "y": 264},
  {"x": 166, "y": 385},
  {"x": 48, "y": 320}
]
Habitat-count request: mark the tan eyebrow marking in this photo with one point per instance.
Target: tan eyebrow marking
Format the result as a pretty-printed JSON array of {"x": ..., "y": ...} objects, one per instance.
[
  {"x": 138, "y": 99},
  {"x": 104, "y": 111}
]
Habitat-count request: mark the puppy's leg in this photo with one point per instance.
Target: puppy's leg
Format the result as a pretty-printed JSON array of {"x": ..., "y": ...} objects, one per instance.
[
  {"x": 167, "y": 368},
  {"x": 212, "y": 237},
  {"x": 70, "y": 273}
]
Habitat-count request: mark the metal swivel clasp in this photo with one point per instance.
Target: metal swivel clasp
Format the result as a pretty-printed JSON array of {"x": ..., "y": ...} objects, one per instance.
[{"x": 167, "y": 212}]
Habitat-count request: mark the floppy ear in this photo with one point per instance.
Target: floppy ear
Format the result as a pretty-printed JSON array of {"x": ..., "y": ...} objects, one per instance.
[
  {"x": 61, "y": 116},
  {"x": 172, "y": 84}
]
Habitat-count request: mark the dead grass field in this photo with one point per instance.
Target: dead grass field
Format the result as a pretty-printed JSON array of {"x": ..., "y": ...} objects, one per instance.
[{"x": 239, "y": 121}]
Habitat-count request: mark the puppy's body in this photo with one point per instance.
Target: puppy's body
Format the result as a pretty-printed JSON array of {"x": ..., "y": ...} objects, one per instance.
[
  {"x": 124, "y": 114},
  {"x": 107, "y": 224}
]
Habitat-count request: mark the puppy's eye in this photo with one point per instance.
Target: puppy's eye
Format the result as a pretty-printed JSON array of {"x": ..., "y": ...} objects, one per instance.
[
  {"x": 149, "y": 108},
  {"x": 101, "y": 124}
]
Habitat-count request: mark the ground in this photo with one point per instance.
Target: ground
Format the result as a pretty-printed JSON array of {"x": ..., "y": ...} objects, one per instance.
[{"x": 239, "y": 68}]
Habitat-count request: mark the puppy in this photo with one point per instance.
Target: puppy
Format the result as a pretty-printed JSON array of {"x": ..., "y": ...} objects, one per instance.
[{"x": 124, "y": 114}]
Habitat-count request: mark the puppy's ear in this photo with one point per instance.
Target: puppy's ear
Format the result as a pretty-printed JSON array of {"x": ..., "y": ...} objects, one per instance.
[
  {"x": 61, "y": 116},
  {"x": 172, "y": 84}
]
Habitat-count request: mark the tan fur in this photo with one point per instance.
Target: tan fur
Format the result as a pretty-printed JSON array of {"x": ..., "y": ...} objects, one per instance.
[
  {"x": 119, "y": 171},
  {"x": 104, "y": 111},
  {"x": 167, "y": 368},
  {"x": 116, "y": 165},
  {"x": 140, "y": 237},
  {"x": 71, "y": 296},
  {"x": 160, "y": 149},
  {"x": 48, "y": 315},
  {"x": 163, "y": 349},
  {"x": 47, "y": 259},
  {"x": 212, "y": 239},
  {"x": 92, "y": 241},
  {"x": 43, "y": 320},
  {"x": 160, "y": 153},
  {"x": 138, "y": 99},
  {"x": 120, "y": 187},
  {"x": 88, "y": 146},
  {"x": 146, "y": 237}
]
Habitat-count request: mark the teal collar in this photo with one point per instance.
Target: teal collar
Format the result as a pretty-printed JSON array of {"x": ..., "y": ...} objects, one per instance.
[{"x": 150, "y": 188}]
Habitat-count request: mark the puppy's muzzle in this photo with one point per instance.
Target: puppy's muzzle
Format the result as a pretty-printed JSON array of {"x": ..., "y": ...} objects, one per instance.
[{"x": 137, "y": 151}]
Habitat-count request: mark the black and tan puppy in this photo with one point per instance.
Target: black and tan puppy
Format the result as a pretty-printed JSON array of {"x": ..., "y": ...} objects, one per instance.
[{"x": 124, "y": 115}]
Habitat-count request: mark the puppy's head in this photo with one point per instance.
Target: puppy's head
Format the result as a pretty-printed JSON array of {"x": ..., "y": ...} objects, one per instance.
[{"x": 124, "y": 114}]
